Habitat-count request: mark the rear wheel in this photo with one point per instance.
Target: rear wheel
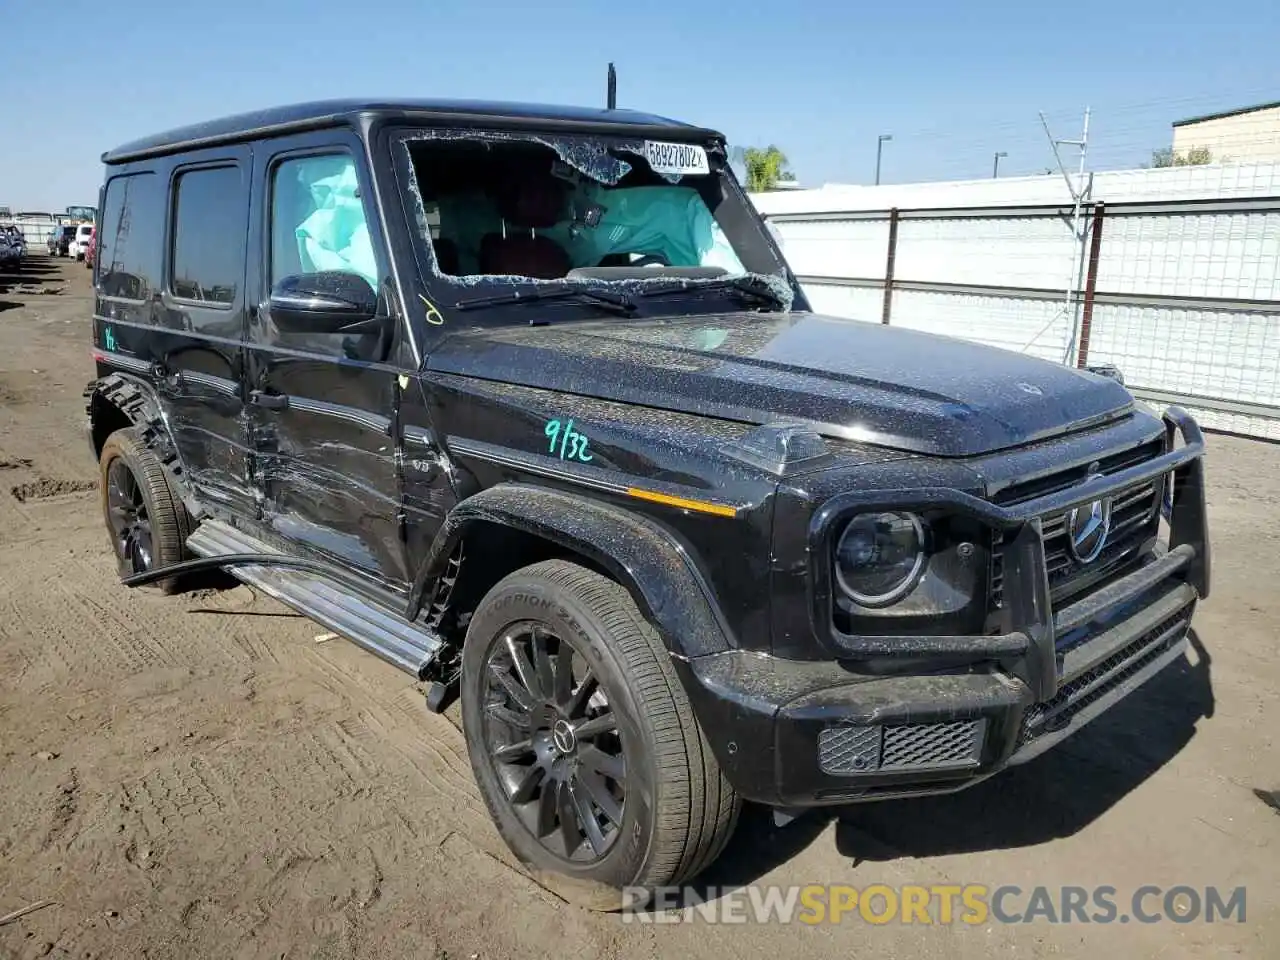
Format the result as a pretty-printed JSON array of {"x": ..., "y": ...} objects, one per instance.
[
  {"x": 583, "y": 741},
  {"x": 147, "y": 523}
]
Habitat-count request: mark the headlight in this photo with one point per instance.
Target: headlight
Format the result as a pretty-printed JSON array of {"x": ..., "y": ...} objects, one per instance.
[{"x": 880, "y": 557}]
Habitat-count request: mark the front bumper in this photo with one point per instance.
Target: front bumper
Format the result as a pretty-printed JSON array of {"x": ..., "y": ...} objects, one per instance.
[{"x": 838, "y": 735}]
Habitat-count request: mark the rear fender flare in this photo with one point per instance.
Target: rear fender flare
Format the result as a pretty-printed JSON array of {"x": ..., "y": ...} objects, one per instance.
[
  {"x": 650, "y": 561},
  {"x": 137, "y": 401}
]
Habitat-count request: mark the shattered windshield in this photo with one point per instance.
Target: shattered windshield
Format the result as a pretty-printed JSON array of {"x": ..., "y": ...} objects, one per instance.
[{"x": 503, "y": 215}]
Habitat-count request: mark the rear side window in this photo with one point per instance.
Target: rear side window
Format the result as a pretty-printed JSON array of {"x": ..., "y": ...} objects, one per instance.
[
  {"x": 130, "y": 243},
  {"x": 210, "y": 213}
]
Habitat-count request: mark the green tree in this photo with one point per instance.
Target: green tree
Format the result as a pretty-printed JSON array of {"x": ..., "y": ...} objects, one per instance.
[
  {"x": 766, "y": 168},
  {"x": 1195, "y": 157}
]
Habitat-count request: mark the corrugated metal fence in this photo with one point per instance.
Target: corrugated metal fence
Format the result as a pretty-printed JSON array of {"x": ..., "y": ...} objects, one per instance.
[
  {"x": 36, "y": 229},
  {"x": 1173, "y": 275}
]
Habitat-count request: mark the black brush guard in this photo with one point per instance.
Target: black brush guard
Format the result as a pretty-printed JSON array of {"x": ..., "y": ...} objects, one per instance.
[{"x": 1028, "y": 651}]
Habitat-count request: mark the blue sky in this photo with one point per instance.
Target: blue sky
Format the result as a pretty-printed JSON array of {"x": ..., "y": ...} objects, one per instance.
[{"x": 953, "y": 81}]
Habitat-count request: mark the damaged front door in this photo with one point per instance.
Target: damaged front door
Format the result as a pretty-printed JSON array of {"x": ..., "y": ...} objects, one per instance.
[{"x": 320, "y": 397}]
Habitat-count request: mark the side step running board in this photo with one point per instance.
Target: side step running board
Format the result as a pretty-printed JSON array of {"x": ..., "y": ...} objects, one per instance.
[{"x": 381, "y": 631}]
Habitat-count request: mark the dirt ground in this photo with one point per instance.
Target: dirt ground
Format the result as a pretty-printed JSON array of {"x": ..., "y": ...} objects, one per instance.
[{"x": 196, "y": 776}]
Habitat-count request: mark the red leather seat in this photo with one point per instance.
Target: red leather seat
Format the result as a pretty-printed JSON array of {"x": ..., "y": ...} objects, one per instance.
[
  {"x": 527, "y": 204},
  {"x": 523, "y": 256}
]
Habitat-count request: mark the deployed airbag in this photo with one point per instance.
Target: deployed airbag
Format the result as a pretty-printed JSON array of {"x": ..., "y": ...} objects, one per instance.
[
  {"x": 672, "y": 223},
  {"x": 335, "y": 235}
]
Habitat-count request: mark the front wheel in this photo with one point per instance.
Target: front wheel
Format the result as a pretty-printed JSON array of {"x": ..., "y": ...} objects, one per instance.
[
  {"x": 146, "y": 521},
  {"x": 583, "y": 742}
]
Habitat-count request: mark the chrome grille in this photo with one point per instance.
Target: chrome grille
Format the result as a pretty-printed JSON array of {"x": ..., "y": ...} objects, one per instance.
[{"x": 1134, "y": 519}]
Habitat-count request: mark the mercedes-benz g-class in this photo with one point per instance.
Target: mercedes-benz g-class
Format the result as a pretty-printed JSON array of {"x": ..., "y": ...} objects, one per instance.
[{"x": 526, "y": 401}]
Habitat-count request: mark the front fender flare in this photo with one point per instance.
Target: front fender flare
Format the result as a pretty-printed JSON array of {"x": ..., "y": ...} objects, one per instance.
[{"x": 646, "y": 558}]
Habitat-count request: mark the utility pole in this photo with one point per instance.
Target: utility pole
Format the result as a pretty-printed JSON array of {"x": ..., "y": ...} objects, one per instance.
[
  {"x": 1079, "y": 190},
  {"x": 611, "y": 98},
  {"x": 879, "y": 151},
  {"x": 995, "y": 167}
]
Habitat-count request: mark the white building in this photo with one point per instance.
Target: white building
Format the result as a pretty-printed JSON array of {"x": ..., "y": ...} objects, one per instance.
[{"x": 1245, "y": 135}]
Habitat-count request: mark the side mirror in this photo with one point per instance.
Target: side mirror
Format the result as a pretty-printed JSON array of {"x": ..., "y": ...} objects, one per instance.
[{"x": 330, "y": 302}]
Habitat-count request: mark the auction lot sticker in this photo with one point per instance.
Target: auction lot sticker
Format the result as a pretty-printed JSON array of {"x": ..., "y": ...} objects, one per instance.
[{"x": 676, "y": 159}]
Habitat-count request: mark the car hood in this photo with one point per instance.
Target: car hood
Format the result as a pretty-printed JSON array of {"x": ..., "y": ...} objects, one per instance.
[{"x": 858, "y": 381}]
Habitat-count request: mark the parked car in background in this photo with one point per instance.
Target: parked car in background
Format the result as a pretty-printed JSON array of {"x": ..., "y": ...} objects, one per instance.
[
  {"x": 65, "y": 236},
  {"x": 91, "y": 249},
  {"x": 80, "y": 241},
  {"x": 10, "y": 250},
  {"x": 16, "y": 238},
  {"x": 52, "y": 243}
]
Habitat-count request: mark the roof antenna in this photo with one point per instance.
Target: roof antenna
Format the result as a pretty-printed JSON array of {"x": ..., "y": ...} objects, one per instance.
[{"x": 613, "y": 88}]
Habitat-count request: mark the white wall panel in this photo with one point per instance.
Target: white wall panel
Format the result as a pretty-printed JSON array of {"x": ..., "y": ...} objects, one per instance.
[
  {"x": 857, "y": 303},
  {"x": 1235, "y": 255},
  {"x": 1208, "y": 353},
  {"x": 1008, "y": 252},
  {"x": 1037, "y": 327},
  {"x": 836, "y": 248},
  {"x": 1265, "y": 428}
]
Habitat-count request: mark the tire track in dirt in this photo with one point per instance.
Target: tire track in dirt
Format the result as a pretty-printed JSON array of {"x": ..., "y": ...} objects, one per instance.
[
  {"x": 71, "y": 631},
  {"x": 405, "y": 742},
  {"x": 85, "y": 624},
  {"x": 396, "y": 717},
  {"x": 238, "y": 618},
  {"x": 249, "y": 781}
]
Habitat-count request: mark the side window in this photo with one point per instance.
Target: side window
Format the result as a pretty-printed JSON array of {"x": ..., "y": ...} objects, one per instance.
[
  {"x": 131, "y": 237},
  {"x": 317, "y": 219},
  {"x": 210, "y": 212}
]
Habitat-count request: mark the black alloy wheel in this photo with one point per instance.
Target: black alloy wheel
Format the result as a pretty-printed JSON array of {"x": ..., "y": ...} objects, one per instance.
[
  {"x": 146, "y": 521},
  {"x": 127, "y": 517},
  {"x": 582, "y": 739},
  {"x": 552, "y": 739}
]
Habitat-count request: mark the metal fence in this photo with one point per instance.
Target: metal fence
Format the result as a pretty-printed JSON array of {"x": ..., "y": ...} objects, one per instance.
[
  {"x": 36, "y": 228},
  {"x": 1172, "y": 275}
]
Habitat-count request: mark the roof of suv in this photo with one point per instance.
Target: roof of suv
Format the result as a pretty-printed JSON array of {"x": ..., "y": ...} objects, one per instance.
[{"x": 330, "y": 113}]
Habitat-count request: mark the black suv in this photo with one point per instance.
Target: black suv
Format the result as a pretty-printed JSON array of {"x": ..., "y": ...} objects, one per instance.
[{"x": 526, "y": 401}]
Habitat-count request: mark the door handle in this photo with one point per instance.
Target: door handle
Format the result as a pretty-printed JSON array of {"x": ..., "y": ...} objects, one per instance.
[{"x": 269, "y": 401}]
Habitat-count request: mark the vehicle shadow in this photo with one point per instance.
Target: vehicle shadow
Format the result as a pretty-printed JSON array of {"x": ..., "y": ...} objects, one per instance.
[
  {"x": 9, "y": 304},
  {"x": 1054, "y": 796},
  {"x": 28, "y": 273},
  {"x": 213, "y": 580}
]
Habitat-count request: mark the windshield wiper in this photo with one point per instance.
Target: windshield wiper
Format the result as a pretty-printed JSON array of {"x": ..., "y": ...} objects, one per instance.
[
  {"x": 617, "y": 302},
  {"x": 746, "y": 288}
]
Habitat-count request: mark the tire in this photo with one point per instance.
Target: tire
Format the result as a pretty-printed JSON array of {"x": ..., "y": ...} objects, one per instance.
[
  {"x": 148, "y": 507},
  {"x": 672, "y": 811}
]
